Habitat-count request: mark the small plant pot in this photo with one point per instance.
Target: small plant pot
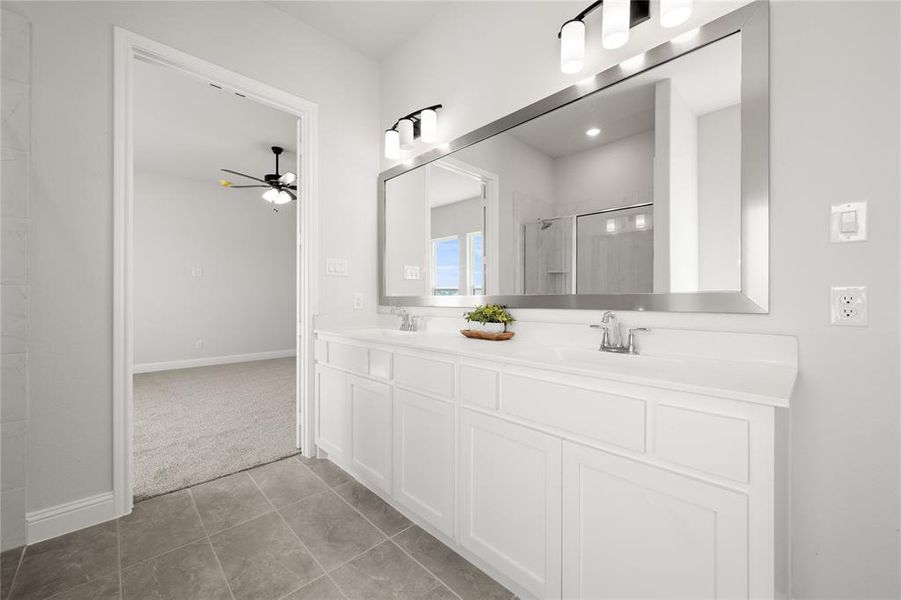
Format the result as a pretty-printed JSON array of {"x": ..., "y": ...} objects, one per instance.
[{"x": 487, "y": 327}]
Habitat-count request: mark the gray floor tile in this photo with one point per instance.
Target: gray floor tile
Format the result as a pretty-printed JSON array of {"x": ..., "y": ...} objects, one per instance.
[
  {"x": 99, "y": 589},
  {"x": 330, "y": 473},
  {"x": 9, "y": 562},
  {"x": 373, "y": 508},
  {"x": 286, "y": 481},
  {"x": 223, "y": 503},
  {"x": 264, "y": 559},
  {"x": 321, "y": 589},
  {"x": 185, "y": 573},
  {"x": 159, "y": 525},
  {"x": 467, "y": 580},
  {"x": 333, "y": 531},
  {"x": 67, "y": 561},
  {"x": 385, "y": 572}
]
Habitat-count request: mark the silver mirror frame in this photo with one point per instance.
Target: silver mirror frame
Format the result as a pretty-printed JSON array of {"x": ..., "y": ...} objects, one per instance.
[{"x": 752, "y": 21}]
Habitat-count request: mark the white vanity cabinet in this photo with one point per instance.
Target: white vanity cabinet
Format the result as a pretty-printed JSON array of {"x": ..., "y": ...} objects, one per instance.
[
  {"x": 563, "y": 482},
  {"x": 631, "y": 530},
  {"x": 332, "y": 413},
  {"x": 371, "y": 430},
  {"x": 424, "y": 457},
  {"x": 510, "y": 500}
]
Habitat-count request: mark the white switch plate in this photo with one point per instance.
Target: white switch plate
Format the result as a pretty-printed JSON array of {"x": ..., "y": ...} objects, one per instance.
[
  {"x": 358, "y": 301},
  {"x": 411, "y": 272},
  {"x": 198, "y": 344},
  {"x": 836, "y": 235},
  {"x": 849, "y": 305},
  {"x": 197, "y": 272},
  {"x": 336, "y": 267}
]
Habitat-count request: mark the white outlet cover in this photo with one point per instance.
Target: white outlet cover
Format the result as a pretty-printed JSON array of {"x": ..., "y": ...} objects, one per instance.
[
  {"x": 852, "y": 212},
  {"x": 358, "y": 301},
  {"x": 848, "y": 305}
]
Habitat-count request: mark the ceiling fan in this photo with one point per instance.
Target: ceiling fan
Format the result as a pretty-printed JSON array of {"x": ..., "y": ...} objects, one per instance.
[{"x": 280, "y": 189}]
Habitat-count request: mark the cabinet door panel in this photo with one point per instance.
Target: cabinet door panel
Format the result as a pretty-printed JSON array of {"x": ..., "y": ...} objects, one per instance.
[
  {"x": 510, "y": 500},
  {"x": 423, "y": 453},
  {"x": 332, "y": 417},
  {"x": 631, "y": 530},
  {"x": 371, "y": 423}
]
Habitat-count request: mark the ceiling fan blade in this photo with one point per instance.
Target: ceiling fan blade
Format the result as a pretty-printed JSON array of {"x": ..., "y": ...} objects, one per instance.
[
  {"x": 243, "y": 175},
  {"x": 248, "y": 186},
  {"x": 287, "y": 179},
  {"x": 290, "y": 193}
]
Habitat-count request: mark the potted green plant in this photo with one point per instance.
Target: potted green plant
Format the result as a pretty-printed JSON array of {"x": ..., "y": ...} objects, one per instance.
[{"x": 492, "y": 318}]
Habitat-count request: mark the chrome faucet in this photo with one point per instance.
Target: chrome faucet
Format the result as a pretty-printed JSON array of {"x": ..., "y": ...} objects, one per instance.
[
  {"x": 614, "y": 343},
  {"x": 407, "y": 321}
]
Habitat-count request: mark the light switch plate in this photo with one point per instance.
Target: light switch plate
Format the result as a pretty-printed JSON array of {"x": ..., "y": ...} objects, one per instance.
[
  {"x": 197, "y": 272},
  {"x": 336, "y": 267},
  {"x": 843, "y": 219},
  {"x": 848, "y": 305},
  {"x": 411, "y": 272},
  {"x": 358, "y": 301}
]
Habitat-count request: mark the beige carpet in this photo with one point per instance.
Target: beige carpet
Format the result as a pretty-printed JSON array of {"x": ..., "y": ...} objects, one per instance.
[{"x": 193, "y": 425}]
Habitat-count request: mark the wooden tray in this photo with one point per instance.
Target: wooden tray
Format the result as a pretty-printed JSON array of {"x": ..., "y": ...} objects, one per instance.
[{"x": 484, "y": 335}]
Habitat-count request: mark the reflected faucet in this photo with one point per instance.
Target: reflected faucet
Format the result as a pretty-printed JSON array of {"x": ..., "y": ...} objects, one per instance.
[{"x": 614, "y": 343}]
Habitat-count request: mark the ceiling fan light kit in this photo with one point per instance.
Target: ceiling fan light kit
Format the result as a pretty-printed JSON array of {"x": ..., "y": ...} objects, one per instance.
[{"x": 280, "y": 187}]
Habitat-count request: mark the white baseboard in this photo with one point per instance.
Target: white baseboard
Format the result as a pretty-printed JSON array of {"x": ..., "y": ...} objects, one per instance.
[
  {"x": 71, "y": 516},
  {"x": 211, "y": 360}
]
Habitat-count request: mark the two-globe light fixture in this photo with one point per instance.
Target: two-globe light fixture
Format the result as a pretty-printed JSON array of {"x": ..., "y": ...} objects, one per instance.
[
  {"x": 422, "y": 124},
  {"x": 618, "y": 17}
]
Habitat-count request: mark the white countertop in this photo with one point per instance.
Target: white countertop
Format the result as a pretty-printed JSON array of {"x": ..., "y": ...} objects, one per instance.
[{"x": 757, "y": 381}]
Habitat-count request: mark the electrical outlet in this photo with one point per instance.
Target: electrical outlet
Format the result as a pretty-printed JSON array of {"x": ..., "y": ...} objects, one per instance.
[
  {"x": 849, "y": 305},
  {"x": 358, "y": 301},
  {"x": 198, "y": 344}
]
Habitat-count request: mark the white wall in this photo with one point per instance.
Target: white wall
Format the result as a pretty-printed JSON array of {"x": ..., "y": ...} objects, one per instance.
[
  {"x": 71, "y": 229},
  {"x": 14, "y": 276},
  {"x": 825, "y": 58},
  {"x": 620, "y": 173},
  {"x": 719, "y": 199},
  {"x": 244, "y": 302}
]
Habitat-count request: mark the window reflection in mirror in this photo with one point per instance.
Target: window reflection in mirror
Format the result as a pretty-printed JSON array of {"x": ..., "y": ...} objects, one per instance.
[{"x": 633, "y": 189}]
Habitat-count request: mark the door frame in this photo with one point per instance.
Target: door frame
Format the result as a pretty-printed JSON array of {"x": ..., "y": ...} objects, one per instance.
[{"x": 128, "y": 47}]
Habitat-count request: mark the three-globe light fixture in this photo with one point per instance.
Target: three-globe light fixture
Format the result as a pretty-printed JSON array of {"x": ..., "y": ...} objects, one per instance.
[
  {"x": 422, "y": 124},
  {"x": 617, "y": 18}
]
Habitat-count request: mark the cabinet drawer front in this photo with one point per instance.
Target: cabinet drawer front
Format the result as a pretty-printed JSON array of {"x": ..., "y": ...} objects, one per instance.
[
  {"x": 345, "y": 356},
  {"x": 478, "y": 386},
  {"x": 425, "y": 374},
  {"x": 380, "y": 364},
  {"x": 715, "y": 444},
  {"x": 607, "y": 418}
]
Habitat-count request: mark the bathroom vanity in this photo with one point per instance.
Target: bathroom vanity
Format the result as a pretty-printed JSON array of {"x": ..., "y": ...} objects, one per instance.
[{"x": 564, "y": 471}]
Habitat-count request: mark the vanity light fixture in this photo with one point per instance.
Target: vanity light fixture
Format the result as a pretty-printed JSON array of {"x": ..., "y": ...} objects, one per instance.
[
  {"x": 422, "y": 123},
  {"x": 618, "y": 17},
  {"x": 611, "y": 225},
  {"x": 640, "y": 221},
  {"x": 593, "y": 132},
  {"x": 674, "y": 12}
]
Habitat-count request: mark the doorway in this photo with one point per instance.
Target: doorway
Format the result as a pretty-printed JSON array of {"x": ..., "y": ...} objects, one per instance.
[{"x": 225, "y": 394}]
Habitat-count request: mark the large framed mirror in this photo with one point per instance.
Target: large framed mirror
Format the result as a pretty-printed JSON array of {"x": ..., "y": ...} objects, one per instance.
[{"x": 645, "y": 187}]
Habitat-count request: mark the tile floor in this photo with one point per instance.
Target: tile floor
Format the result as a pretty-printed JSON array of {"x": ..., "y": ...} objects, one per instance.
[{"x": 296, "y": 529}]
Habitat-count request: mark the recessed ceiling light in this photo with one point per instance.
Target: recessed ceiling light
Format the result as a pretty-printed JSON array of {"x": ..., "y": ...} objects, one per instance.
[{"x": 593, "y": 132}]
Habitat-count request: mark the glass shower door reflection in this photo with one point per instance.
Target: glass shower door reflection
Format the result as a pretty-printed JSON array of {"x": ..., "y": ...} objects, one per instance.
[
  {"x": 548, "y": 256},
  {"x": 615, "y": 251}
]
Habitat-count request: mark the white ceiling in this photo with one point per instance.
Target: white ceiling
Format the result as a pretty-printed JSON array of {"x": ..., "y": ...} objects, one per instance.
[
  {"x": 447, "y": 186},
  {"x": 374, "y": 28},
  {"x": 186, "y": 128},
  {"x": 708, "y": 79}
]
